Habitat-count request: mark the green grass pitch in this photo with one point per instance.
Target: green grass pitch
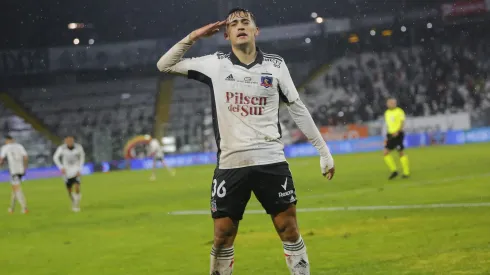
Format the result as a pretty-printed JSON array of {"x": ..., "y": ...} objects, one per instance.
[{"x": 125, "y": 227}]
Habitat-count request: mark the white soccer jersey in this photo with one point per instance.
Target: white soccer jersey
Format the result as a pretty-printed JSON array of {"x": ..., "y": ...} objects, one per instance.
[
  {"x": 155, "y": 149},
  {"x": 72, "y": 160},
  {"x": 14, "y": 153},
  {"x": 245, "y": 105}
]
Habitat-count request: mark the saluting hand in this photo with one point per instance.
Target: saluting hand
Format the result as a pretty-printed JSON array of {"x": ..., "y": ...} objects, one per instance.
[{"x": 207, "y": 31}]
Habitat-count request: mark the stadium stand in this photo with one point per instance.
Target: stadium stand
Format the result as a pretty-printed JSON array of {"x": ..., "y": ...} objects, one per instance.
[
  {"x": 124, "y": 107},
  {"x": 189, "y": 114},
  {"x": 427, "y": 80},
  {"x": 38, "y": 148}
]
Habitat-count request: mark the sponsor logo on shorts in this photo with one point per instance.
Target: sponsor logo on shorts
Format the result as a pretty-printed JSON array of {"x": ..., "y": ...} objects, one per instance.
[
  {"x": 213, "y": 206},
  {"x": 285, "y": 185},
  {"x": 285, "y": 194}
]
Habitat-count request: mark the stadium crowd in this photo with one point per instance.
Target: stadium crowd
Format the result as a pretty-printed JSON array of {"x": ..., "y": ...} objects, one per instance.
[{"x": 431, "y": 79}]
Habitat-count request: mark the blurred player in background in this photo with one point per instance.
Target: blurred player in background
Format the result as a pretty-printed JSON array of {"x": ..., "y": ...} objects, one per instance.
[
  {"x": 247, "y": 86},
  {"x": 395, "y": 120},
  {"x": 71, "y": 164},
  {"x": 155, "y": 150},
  {"x": 17, "y": 159}
]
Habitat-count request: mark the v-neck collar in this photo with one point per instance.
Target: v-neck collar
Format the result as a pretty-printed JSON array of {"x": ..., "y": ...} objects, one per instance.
[{"x": 258, "y": 59}]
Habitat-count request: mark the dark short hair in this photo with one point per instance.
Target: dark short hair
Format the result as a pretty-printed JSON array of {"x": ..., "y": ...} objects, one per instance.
[
  {"x": 70, "y": 136},
  {"x": 8, "y": 137},
  {"x": 238, "y": 10}
]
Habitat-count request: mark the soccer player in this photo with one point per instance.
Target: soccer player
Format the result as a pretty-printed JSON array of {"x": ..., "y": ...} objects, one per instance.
[
  {"x": 395, "y": 119},
  {"x": 156, "y": 151},
  {"x": 247, "y": 86},
  {"x": 16, "y": 156},
  {"x": 71, "y": 164}
]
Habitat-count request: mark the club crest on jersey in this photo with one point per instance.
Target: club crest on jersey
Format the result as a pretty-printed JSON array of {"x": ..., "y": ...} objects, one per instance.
[{"x": 266, "y": 81}]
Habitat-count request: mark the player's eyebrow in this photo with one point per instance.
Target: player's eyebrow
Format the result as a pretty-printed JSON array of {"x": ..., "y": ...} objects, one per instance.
[{"x": 236, "y": 20}]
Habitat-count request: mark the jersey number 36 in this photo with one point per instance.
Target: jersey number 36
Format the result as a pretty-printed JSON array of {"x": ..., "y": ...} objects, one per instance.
[{"x": 219, "y": 190}]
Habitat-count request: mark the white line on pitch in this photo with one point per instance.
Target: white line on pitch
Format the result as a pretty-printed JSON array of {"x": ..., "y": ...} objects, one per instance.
[{"x": 353, "y": 208}]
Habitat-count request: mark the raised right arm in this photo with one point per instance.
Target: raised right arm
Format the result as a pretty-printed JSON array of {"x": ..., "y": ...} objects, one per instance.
[{"x": 172, "y": 61}]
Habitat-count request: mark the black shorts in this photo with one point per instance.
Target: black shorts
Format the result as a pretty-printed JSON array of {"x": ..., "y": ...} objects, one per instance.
[
  {"x": 70, "y": 181},
  {"x": 231, "y": 189},
  {"x": 17, "y": 178},
  {"x": 393, "y": 143}
]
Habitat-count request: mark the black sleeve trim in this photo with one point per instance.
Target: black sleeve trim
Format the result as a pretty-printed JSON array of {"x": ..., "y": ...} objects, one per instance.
[{"x": 282, "y": 96}]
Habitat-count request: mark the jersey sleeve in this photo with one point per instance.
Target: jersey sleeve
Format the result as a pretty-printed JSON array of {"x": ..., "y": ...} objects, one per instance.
[
  {"x": 3, "y": 152},
  {"x": 82, "y": 158},
  {"x": 56, "y": 158},
  {"x": 401, "y": 114},
  {"x": 197, "y": 65},
  {"x": 23, "y": 151},
  {"x": 305, "y": 123},
  {"x": 173, "y": 60},
  {"x": 287, "y": 89},
  {"x": 385, "y": 124}
]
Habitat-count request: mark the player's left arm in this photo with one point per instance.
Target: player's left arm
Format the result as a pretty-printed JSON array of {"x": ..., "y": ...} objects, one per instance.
[
  {"x": 304, "y": 121},
  {"x": 401, "y": 115},
  {"x": 56, "y": 159},
  {"x": 2, "y": 155},
  {"x": 151, "y": 150},
  {"x": 82, "y": 160},
  {"x": 25, "y": 157},
  {"x": 402, "y": 120}
]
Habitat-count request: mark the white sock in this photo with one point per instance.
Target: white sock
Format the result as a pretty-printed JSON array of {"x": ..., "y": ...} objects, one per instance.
[
  {"x": 77, "y": 197},
  {"x": 222, "y": 261},
  {"x": 12, "y": 201},
  {"x": 296, "y": 257},
  {"x": 20, "y": 197}
]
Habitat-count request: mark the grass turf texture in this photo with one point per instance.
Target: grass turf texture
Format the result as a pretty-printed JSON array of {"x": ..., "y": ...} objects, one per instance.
[{"x": 125, "y": 228}]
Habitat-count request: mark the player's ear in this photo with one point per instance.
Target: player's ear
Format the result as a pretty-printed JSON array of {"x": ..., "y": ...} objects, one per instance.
[
  {"x": 257, "y": 32},
  {"x": 225, "y": 33}
]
